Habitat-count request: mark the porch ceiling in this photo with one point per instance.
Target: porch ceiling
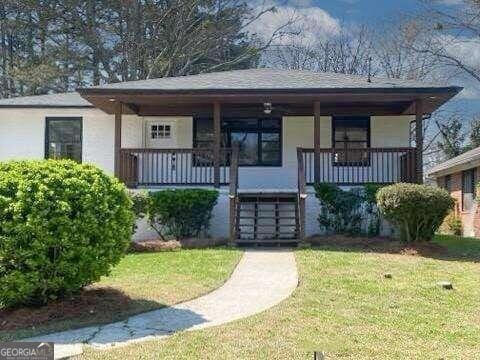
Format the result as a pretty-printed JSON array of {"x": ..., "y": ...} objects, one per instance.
[{"x": 338, "y": 102}]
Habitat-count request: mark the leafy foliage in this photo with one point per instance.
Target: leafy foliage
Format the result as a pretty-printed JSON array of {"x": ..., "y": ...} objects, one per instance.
[
  {"x": 475, "y": 133},
  {"x": 451, "y": 225},
  {"x": 62, "y": 226},
  {"x": 140, "y": 200},
  {"x": 417, "y": 210},
  {"x": 351, "y": 212},
  {"x": 452, "y": 138},
  {"x": 341, "y": 210},
  {"x": 373, "y": 215},
  {"x": 181, "y": 213}
]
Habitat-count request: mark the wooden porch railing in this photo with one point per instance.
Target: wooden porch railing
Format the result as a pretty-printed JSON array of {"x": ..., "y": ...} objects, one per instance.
[
  {"x": 361, "y": 166},
  {"x": 302, "y": 194},
  {"x": 233, "y": 193},
  {"x": 156, "y": 167}
]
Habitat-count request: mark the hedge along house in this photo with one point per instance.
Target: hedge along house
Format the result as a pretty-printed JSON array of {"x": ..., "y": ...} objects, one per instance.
[
  {"x": 262, "y": 137},
  {"x": 459, "y": 177}
]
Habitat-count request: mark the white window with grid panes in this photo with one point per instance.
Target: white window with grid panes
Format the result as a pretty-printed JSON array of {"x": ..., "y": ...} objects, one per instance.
[{"x": 160, "y": 134}]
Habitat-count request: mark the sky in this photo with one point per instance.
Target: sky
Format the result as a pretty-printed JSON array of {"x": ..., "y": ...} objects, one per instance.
[{"x": 327, "y": 17}]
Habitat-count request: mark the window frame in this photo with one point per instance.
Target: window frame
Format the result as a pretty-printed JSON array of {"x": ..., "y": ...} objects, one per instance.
[
  {"x": 353, "y": 120},
  {"x": 472, "y": 184},
  {"x": 226, "y": 139},
  {"x": 160, "y": 134},
  {"x": 48, "y": 120}
]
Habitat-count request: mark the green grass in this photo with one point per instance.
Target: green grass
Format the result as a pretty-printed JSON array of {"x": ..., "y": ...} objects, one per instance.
[
  {"x": 140, "y": 282},
  {"x": 345, "y": 307}
]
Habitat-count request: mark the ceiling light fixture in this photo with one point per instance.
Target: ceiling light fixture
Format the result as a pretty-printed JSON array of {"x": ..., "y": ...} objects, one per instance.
[{"x": 267, "y": 108}]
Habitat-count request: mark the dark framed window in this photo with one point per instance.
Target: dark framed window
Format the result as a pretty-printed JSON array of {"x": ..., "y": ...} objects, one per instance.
[
  {"x": 351, "y": 134},
  {"x": 468, "y": 189},
  {"x": 448, "y": 183},
  {"x": 63, "y": 138},
  {"x": 259, "y": 140}
]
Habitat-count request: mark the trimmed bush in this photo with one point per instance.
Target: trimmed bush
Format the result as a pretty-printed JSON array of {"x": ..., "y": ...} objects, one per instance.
[
  {"x": 181, "y": 213},
  {"x": 417, "y": 210},
  {"x": 62, "y": 226}
]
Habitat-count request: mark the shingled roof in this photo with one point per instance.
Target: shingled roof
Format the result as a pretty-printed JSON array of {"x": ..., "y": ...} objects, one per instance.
[
  {"x": 242, "y": 81},
  {"x": 67, "y": 100},
  {"x": 467, "y": 160},
  {"x": 268, "y": 79}
]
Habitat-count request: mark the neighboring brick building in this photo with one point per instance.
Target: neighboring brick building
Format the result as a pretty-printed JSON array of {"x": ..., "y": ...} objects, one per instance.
[{"x": 460, "y": 176}]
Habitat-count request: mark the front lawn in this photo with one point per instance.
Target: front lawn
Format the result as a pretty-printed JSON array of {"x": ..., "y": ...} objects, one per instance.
[
  {"x": 346, "y": 307},
  {"x": 141, "y": 282}
]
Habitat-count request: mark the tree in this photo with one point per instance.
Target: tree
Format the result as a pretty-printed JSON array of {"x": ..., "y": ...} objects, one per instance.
[
  {"x": 450, "y": 35},
  {"x": 348, "y": 52},
  {"x": 51, "y": 46},
  {"x": 474, "y": 135},
  {"x": 452, "y": 138}
]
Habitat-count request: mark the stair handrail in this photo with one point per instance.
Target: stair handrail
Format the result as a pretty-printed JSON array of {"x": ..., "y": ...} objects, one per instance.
[
  {"x": 302, "y": 192},
  {"x": 233, "y": 191}
]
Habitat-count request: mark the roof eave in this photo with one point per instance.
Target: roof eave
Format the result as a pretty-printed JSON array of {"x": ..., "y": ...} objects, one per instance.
[
  {"x": 52, "y": 106},
  {"x": 453, "y": 90},
  {"x": 451, "y": 169}
]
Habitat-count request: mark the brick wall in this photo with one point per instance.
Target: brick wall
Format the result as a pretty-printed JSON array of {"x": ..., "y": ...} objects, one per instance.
[{"x": 470, "y": 219}]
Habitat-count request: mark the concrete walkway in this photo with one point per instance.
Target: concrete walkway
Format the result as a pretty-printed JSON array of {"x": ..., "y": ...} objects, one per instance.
[{"x": 261, "y": 280}]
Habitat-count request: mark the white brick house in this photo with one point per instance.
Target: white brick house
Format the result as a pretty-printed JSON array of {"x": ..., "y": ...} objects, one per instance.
[{"x": 289, "y": 128}]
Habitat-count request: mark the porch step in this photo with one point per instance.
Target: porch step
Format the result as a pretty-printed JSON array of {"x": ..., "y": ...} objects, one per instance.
[{"x": 267, "y": 218}]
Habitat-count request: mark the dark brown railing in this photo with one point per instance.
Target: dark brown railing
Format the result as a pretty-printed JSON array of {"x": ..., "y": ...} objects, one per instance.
[
  {"x": 233, "y": 192},
  {"x": 302, "y": 194},
  {"x": 154, "y": 167},
  {"x": 361, "y": 166}
]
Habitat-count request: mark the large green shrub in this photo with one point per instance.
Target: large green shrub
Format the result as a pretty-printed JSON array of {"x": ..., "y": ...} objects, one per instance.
[
  {"x": 62, "y": 226},
  {"x": 341, "y": 210},
  {"x": 181, "y": 213},
  {"x": 417, "y": 210}
]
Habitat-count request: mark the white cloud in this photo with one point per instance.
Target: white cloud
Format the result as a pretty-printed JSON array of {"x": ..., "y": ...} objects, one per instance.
[
  {"x": 467, "y": 50},
  {"x": 309, "y": 24}
]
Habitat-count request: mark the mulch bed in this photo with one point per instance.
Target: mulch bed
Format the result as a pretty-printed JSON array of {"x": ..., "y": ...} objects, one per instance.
[
  {"x": 377, "y": 244},
  {"x": 92, "y": 303},
  {"x": 98, "y": 303},
  {"x": 155, "y": 245}
]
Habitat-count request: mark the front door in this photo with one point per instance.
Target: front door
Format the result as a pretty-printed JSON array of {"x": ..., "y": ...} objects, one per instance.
[
  {"x": 160, "y": 134},
  {"x": 160, "y": 166}
]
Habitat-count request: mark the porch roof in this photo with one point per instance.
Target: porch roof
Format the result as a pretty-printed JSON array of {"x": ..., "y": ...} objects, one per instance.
[{"x": 256, "y": 86}]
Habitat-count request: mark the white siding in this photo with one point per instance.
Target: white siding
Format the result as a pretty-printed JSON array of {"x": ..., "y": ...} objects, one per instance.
[
  {"x": 22, "y": 134},
  {"x": 390, "y": 131}
]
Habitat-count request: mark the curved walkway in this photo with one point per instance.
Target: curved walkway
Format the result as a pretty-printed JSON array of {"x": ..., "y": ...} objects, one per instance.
[{"x": 261, "y": 280}]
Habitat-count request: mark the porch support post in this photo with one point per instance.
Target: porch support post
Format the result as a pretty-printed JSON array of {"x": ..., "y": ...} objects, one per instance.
[
  {"x": 118, "y": 138},
  {"x": 419, "y": 140},
  {"x": 216, "y": 143},
  {"x": 316, "y": 140}
]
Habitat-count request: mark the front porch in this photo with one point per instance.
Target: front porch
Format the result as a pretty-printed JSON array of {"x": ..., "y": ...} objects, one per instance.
[
  {"x": 146, "y": 167},
  {"x": 265, "y": 163}
]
